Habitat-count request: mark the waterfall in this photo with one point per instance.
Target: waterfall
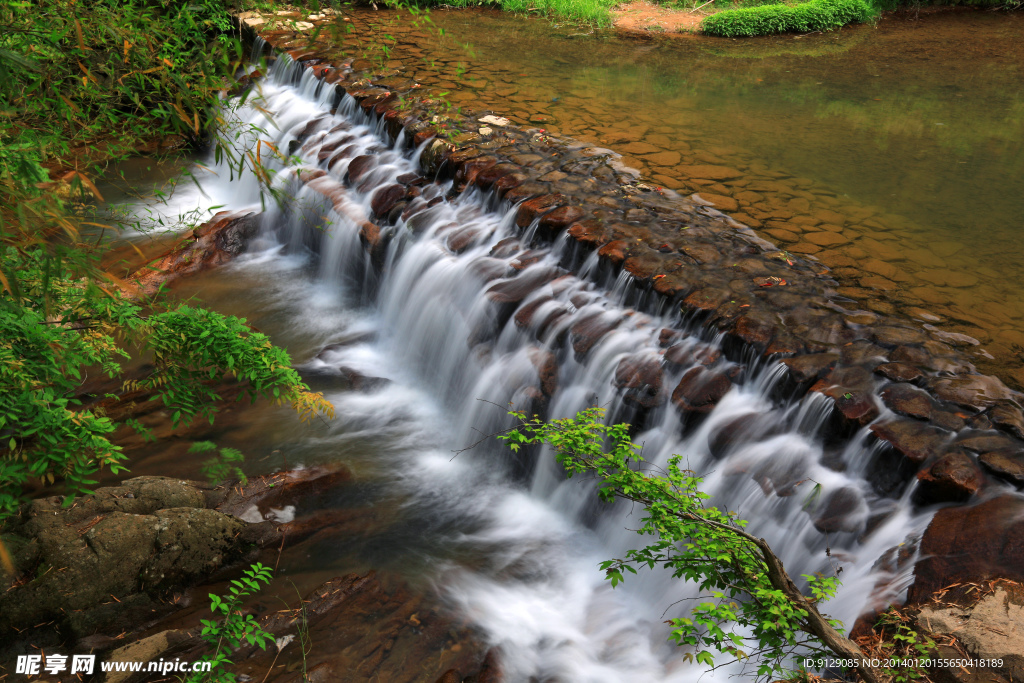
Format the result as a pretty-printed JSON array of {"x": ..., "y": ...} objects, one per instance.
[{"x": 468, "y": 318}]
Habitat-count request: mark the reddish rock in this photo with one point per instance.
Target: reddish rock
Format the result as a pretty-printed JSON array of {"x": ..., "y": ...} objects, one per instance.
[
  {"x": 561, "y": 217},
  {"x": 1009, "y": 418},
  {"x": 973, "y": 391},
  {"x": 488, "y": 176},
  {"x": 460, "y": 240},
  {"x": 614, "y": 251},
  {"x": 899, "y": 372},
  {"x": 707, "y": 299},
  {"x": 986, "y": 442},
  {"x": 421, "y": 136},
  {"x": 469, "y": 171},
  {"x": 917, "y": 441},
  {"x": 644, "y": 265},
  {"x": 700, "y": 390},
  {"x": 686, "y": 354},
  {"x": 547, "y": 369},
  {"x": 1006, "y": 466},
  {"x": 862, "y": 352},
  {"x": 589, "y": 331},
  {"x": 508, "y": 182},
  {"x": 359, "y": 167},
  {"x": 589, "y": 232},
  {"x": 974, "y": 544},
  {"x": 754, "y": 330},
  {"x": 641, "y": 378},
  {"x": 908, "y": 400},
  {"x": 513, "y": 290},
  {"x": 891, "y": 335},
  {"x": 852, "y": 389},
  {"x": 306, "y": 489},
  {"x": 214, "y": 243},
  {"x": 811, "y": 367},
  {"x": 532, "y": 208},
  {"x": 385, "y": 199},
  {"x": 523, "y": 190},
  {"x": 954, "y": 477},
  {"x": 369, "y": 235}
]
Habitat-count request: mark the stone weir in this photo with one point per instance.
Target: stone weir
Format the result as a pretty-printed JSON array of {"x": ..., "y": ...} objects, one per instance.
[{"x": 935, "y": 418}]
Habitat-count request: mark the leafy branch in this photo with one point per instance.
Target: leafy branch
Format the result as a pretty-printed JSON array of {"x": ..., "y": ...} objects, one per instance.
[{"x": 754, "y": 605}]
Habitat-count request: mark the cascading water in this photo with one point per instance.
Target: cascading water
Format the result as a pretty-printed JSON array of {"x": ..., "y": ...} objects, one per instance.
[{"x": 434, "y": 323}]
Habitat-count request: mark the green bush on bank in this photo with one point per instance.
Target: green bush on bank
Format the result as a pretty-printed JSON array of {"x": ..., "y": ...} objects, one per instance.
[{"x": 816, "y": 15}]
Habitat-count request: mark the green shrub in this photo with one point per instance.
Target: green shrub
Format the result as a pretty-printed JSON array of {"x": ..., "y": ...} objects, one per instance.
[{"x": 816, "y": 15}]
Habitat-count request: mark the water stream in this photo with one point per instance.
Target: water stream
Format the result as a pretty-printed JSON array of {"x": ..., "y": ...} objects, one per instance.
[{"x": 511, "y": 545}]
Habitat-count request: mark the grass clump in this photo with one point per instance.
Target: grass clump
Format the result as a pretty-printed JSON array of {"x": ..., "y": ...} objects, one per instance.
[
  {"x": 594, "y": 12},
  {"x": 816, "y": 15}
]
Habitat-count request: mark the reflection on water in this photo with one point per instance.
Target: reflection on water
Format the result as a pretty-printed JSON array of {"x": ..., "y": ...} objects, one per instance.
[{"x": 894, "y": 154}]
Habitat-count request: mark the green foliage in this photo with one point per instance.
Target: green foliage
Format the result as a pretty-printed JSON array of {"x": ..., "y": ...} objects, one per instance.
[
  {"x": 232, "y": 628},
  {"x": 223, "y": 464},
  {"x": 80, "y": 83},
  {"x": 581, "y": 11},
  {"x": 816, "y": 15},
  {"x": 745, "y": 615},
  {"x": 55, "y": 328},
  {"x": 901, "y": 642}
]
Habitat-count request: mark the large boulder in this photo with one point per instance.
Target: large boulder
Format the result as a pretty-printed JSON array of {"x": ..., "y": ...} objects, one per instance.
[{"x": 976, "y": 543}]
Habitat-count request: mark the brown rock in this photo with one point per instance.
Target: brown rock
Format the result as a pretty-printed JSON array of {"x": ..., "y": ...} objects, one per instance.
[
  {"x": 641, "y": 378},
  {"x": 837, "y": 511},
  {"x": 708, "y": 172},
  {"x": 899, "y": 372},
  {"x": 810, "y": 367},
  {"x": 917, "y": 441},
  {"x": 1008, "y": 466},
  {"x": 721, "y": 202},
  {"x": 547, "y": 369},
  {"x": 700, "y": 390},
  {"x": 614, "y": 251},
  {"x": 692, "y": 353},
  {"x": 852, "y": 389},
  {"x": 589, "y": 232},
  {"x": 908, "y": 400},
  {"x": 1009, "y": 418},
  {"x": 973, "y": 391},
  {"x": 586, "y": 333},
  {"x": 513, "y": 290},
  {"x": 385, "y": 199},
  {"x": 532, "y": 208},
  {"x": 954, "y": 477},
  {"x": 561, "y": 217},
  {"x": 359, "y": 167},
  {"x": 971, "y": 544}
]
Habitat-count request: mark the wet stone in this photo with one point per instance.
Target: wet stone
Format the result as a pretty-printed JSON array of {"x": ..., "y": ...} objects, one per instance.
[
  {"x": 1009, "y": 418},
  {"x": 1006, "y": 466},
  {"x": 908, "y": 400},
  {"x": 899, "y": 372},
  {"x": 641, "y": 378},
  {"x": 588, "y": 332},
  {"x": 917, "y": 441},
  {"x": 811, "y": 367},
  {"x": 700, "y": 390},
  {"x": 973, "y": 391},
  {"x": 954, "y": 477},
  {"x": 837, "y": 511},
  {"x": 386, "y": 198}
]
